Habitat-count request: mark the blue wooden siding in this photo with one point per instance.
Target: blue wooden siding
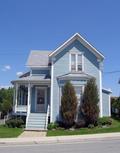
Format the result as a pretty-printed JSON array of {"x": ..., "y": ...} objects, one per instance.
[
  {"x": 61, "y": 67},
  {"x": 105, "y": 103},
  {"x": 40, "y": 72}
]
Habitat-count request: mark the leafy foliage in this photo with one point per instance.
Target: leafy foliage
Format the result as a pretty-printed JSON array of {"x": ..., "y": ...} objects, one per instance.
[
  {"x": 13, "y": 123},
  {"x": 6, "y": 99},
  {"x": 90, "y": 101},
  {"x": 115, "y": 109},
  {"x": 104, "y": 121},
  {"x": 52, "y": 126},
  {"x": 68, "y": 105}
]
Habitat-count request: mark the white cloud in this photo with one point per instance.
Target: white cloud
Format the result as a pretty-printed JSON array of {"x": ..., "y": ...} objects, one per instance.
[
  {"x": 19, "y": 73},
  {"x": 6, "y": 68},
  {"x": 5, "y": 86}
]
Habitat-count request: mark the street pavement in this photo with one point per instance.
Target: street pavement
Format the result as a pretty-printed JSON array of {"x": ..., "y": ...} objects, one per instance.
[{"x": 104, "y": 145}]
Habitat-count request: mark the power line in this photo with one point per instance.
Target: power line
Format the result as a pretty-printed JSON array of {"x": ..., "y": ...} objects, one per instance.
[{"x": 112, "y": 72}]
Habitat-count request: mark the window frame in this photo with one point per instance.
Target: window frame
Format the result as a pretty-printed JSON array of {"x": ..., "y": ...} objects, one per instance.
[{"x": 76, "y": 62}]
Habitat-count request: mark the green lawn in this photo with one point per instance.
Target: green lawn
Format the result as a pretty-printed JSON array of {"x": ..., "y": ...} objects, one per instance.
[
  {"x": 115, "y": 127},
  {"x": 6, "y": 132}
]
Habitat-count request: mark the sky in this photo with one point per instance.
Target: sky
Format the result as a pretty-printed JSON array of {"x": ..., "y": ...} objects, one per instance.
[{"x": 45, "y": 24}]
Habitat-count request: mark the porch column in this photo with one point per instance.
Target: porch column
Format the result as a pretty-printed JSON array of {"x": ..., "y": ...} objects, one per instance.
[
  {"x": 16, "y": 95},
  {"x": 28, "y": 101}
]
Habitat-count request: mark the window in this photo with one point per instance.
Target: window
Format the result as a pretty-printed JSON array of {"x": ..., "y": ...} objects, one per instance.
[
  {"x": 73, "y": 62},
  {"x": 79, "y": 63},
  {"x": 76, "y": 62}
]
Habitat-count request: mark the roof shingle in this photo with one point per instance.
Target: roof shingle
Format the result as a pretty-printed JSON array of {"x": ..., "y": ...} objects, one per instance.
[{"x": 38, "y": 58}]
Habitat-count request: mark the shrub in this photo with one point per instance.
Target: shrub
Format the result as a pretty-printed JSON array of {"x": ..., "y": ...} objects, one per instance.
[
  {"x": 52, "y": 126},
  {"x": 89, "y": 106},
  {"x": 15, "y": 123},
  {"x": 104, "y": 121},
  {"x": 91, "y": 126},
  {"x": 80, "y": 123},
  {"x": 68, "y": 105}
]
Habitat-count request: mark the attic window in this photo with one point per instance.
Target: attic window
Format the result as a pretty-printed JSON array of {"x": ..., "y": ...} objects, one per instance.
[{"x": 76, "y": 62}]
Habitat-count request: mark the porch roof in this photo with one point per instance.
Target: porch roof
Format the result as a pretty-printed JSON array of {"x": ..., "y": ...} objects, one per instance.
[
  {"x": 75, "y": 75},
  {"x": 31, "y": 79}
]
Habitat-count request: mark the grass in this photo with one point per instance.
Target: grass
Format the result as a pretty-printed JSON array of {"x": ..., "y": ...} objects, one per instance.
[
  {"x": 115, "y": 127},
  {"x": 6, "y": 132}
]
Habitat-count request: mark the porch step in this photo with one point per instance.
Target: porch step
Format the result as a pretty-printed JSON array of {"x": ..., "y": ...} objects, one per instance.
[{"x": 36, "y": 121}]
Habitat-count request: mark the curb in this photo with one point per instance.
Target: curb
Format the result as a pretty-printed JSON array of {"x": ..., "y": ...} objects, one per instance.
[{"x": 59, "y": 139}]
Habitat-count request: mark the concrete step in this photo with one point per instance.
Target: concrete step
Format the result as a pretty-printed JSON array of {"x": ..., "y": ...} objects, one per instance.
[{"x": 36, "y": 121}]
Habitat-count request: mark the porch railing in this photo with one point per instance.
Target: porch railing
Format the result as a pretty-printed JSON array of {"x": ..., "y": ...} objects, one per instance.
[
  {"x": 21, "y": 108},
  {"x": 47, "y": 116}
]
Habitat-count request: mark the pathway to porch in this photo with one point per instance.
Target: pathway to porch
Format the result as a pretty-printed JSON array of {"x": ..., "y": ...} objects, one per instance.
[{"x": 29, "y": 134}]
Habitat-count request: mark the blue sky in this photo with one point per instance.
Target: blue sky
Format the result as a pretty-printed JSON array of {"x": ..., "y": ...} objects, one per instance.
[{"x": 45, "y": 24}]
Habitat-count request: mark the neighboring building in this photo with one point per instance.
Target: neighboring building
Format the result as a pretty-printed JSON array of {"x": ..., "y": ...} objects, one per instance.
[{"x": 38, "y": 92}]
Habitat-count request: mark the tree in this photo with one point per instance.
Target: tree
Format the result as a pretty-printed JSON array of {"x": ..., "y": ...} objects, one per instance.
[
  {"x": 68, "y": 105},
  {"x": 6, "y": 107},
  {"x": 89, "y": 106},
  {"x": 6, "y": 100}
]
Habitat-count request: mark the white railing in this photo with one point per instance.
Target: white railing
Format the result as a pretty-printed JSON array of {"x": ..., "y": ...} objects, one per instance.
[
  {"x": 47, "y": 115},
  {"x": 21, "y": 108}
]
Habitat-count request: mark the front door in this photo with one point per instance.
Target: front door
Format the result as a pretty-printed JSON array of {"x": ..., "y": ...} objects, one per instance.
[{"x": 40, "y": 99}]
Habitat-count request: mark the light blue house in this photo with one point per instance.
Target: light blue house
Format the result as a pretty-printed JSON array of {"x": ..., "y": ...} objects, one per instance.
[{"x": 38, "y": 93}]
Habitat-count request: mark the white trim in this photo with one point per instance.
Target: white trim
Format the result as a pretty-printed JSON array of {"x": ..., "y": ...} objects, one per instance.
[
  {"x": 76, "y": 62},
  {"x": 69, "y": 62},
  {"x": 51, "y": 95},
  {"x": 36, "y": 90},
  {"x": 28, "y": 103},
  {"x": 37, "y": 67},
  {"x": 109, "y": 105},
  {"x": 83, "y": 41},
  {"x": 83, "y": 63},
  {"x": 16, "y": 96},
  {"x": 100, "y": 95}
]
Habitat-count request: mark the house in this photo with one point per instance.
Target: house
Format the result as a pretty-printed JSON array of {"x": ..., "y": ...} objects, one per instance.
[{"x": 37, "y": 94}]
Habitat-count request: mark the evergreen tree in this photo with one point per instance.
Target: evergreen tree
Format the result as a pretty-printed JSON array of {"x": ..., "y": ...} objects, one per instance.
[
  {"x": 68, "y": 105},
  {"x": 89, "y": 106}
]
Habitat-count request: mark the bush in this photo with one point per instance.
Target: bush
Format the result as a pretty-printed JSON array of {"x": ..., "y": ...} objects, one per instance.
[
  {"x": 104, "y": 121},
  {"x": 68, "y": 105},
  {"x": 52, "y": 126},
  {"x": 91, "y": 126},
  {"x": 80, "y": 123},
  {"x": 89, "y": 105},
  {"x": 15, "y": 123}
]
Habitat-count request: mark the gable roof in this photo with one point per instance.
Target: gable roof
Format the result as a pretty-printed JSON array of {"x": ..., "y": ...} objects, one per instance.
[
  {"x": 38, "y": 58},
  {"x": 85, "y": 43}
]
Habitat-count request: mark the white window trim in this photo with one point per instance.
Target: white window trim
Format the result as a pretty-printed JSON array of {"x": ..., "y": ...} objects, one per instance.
[{"x": 76, "y": 61}]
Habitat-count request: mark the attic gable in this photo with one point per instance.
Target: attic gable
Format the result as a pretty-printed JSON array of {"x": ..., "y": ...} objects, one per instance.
[{"x": 78, "y": 37}]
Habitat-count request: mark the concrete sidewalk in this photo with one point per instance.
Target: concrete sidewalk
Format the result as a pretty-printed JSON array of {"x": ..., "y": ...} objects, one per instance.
[{"x": 58, "y": 139}]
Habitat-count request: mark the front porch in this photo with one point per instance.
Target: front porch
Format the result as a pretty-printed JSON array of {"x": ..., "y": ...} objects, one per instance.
[{"x": 32, "y": 99}]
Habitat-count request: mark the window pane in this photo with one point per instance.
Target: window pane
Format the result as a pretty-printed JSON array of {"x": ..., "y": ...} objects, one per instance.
[
  {"x": 73, "y": 62},
  {"x": 79, "y": 62}
]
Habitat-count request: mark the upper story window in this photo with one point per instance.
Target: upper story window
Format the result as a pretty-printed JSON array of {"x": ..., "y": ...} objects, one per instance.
[
  {"x": 76, "y": 61},
  {"x": 73, "y": 62}
]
